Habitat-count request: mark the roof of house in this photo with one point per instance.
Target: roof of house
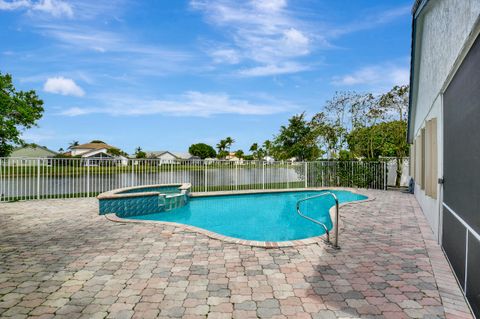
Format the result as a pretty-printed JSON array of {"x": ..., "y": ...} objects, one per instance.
[
  {"x": 93, "y": 146},
  {"x": 178, "y": 155},
  {"x": 92, "y": 153},
  {"x": 32, "y": 151},
  {"x": 184, "y": 155},
  {"x": 158, "y": 153}
]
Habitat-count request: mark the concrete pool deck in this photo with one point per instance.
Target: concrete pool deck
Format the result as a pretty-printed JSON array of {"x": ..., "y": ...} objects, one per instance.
[{"x": 58, "y": 258}]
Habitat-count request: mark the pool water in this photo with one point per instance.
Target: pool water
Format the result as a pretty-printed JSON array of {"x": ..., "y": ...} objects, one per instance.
[{"x": 262, "y": 217}]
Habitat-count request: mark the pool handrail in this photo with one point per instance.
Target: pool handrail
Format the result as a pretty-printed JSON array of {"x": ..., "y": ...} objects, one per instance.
[{"x": 327, "y": 232}]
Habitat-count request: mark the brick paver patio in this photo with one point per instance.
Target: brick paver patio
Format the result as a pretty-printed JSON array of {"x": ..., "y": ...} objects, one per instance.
[{"x": 58, "y": 258}]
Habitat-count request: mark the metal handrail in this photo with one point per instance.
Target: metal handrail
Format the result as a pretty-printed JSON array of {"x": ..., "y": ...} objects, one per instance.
[{"x": 335, "y": 244}]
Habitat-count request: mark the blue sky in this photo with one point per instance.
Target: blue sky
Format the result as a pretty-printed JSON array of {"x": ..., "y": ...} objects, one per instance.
[{"x": 165, "y": 74}]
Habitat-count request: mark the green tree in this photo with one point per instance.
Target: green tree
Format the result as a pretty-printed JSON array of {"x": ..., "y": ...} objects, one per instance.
[
  {"x": 202, "y": 150},
  {"x": 297, "y": 140},
  {"x": 239, "y": 153},
  {"x": 98, "y": 142},
  {"x": 222, "y": 154},
  {"x": 116, "y": 152},
  {"x": 222, "y": 145},
  {"x": 257, "y": 152},
  {"x": 395, "y": 103},
  {"x": 383, "y": 139},
  {"x": 139, "y": 153},
  {"x": 229, "y": 142},
  {"x": 19, "y": 110},
  {"x": 267, "y": 147}
]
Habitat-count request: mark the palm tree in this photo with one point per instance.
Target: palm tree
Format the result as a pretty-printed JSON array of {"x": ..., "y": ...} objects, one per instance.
[
  {"x": 222, "y": 145},
  {"x": 254, "y": 150},
  {"x": 73, "y": 144},
  {"x": 229, "y": 142},
  {"x": 267, "y": 145}
]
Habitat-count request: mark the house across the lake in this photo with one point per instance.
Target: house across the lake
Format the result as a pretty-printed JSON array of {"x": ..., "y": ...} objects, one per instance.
[
  {"x": 167, "y": 157},
  {"x": 32, "y": 155},
  {"x": 33, "y": 150},
  {"x": 95, "y": 151}
]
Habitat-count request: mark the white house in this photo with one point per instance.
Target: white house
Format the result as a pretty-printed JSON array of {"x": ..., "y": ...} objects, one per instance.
[
  {"x": 269, "y": 159},
  {"x": 90, "y": 147},
  {"x": 167, "y": 157},
  {"x": 96, "y": 151},
  {"x": 443, "y": 128}
]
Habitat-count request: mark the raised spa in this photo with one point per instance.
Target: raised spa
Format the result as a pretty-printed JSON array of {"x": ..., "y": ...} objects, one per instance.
[{"x": 141, "y": 200}]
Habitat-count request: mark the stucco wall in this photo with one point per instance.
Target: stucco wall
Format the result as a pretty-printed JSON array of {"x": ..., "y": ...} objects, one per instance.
[{"x": 445, "y": 27}]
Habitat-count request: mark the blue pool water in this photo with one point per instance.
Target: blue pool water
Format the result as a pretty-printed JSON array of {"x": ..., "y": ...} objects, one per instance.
[{"x": 263, "y": 217}]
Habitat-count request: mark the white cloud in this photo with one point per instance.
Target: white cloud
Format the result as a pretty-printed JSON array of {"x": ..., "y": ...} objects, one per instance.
[
  {"x": 192, "y": 103},
  {"x": 273, "y": 69},
  {"x": 262, "y": 32},
  {"x": 270, "y": 5},
  {"x": 63, "y": 86},
  {"x": 386, "y": 74},
  {"x": 56, "y": 8},
  {"x": 228, "y": 56},
  {"x": 14, "y": 5}
]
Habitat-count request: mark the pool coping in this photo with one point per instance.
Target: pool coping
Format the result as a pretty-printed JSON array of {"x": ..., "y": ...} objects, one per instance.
[{"x": 254, "y": 243}]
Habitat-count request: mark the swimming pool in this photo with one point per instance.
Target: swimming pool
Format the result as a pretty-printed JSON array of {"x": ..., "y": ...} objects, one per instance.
[{"x": 268, "y": 217}]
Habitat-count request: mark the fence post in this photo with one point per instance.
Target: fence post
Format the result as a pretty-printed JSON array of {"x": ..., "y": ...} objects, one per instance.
[
  {"x": 306, "y": 174},
  {"x": 38, "y": 178},
  {"x": 88, "y": 177},
  {"x": 385, "y": 175},
  {"x": 205, "y": 174},
  {"x": 131, "y": 177},
  {"x": 236, "y": 175},
  {"x": 263, "y": 175}
]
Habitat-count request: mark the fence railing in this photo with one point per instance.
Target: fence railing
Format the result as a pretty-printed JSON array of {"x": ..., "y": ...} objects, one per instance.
[{"x": 38, "y": 178}]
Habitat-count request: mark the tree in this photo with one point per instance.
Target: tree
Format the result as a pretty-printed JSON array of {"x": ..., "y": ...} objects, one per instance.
[
  {"x": 139, "y": 153},
  {"x": 257, "y": 152},
  {"x": 296, "y": 140},
  {"x": 395, "y": 102},
  {"x": 98, "y": 142},
  {"x": 222, "y": 145},
  {"x": 222, "y": 154},
  {"x": 116, "y": 152},
  {"x": 383, "y": 139},
  {"x": 239, "y": 154},
  {"x": 73, "y": 144},
  {"x": 229, "y": 142},
  {"x": 19, "y": 110},
  {"x": 267, "y": 146},
  {"x": 202, "y": 150}
]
